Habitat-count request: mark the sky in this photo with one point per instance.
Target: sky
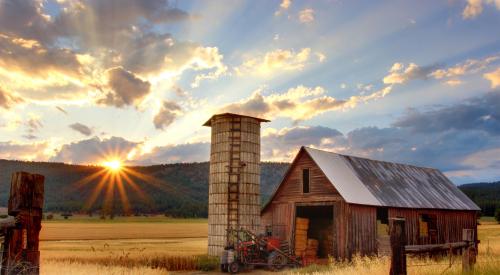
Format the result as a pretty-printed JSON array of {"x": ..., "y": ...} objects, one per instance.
[{"x": 415, "y": 82}]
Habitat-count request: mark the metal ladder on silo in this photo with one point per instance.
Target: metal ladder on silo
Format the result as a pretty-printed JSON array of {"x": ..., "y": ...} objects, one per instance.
[{"x": 234, "y": 174}]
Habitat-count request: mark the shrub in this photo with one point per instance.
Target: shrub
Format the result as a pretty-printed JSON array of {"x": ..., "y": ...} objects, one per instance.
[
  {"x": 207, "y": 263},
  {"x": 497, "y": 215},
  {"x": 50, "y": 216}
]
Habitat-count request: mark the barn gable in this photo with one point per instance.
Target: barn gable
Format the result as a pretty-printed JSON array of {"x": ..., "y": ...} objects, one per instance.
[{"x": 291, "y": 187}]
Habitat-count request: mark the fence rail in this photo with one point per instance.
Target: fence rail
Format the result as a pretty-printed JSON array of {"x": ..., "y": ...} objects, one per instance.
[{"x": 399, "y": 249}]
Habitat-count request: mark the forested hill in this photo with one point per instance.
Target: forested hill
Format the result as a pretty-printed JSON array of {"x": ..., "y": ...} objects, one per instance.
[
  {"x": 175, "y": 189},
  {"x": 486, "y": 195}
]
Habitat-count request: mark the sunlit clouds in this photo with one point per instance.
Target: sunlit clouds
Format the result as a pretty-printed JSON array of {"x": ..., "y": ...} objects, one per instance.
[
  {"x": 278, "y": 61},
  {"x": 84, "y": 81},
  {"x": 493, "y": 77}
]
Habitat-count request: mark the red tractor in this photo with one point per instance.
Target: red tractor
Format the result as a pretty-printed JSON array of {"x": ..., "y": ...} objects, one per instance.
[{"x": 247, "y": 250}]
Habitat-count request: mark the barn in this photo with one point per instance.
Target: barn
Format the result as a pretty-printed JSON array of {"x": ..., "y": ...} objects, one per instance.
[{"x": 348, "y": 201}]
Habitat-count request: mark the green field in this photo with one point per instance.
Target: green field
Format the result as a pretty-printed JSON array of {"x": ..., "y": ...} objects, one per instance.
[{"x": 133, "y": 245}]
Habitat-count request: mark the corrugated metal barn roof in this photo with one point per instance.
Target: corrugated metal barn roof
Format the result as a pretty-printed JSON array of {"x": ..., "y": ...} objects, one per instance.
[{"x": 380, "y": 183}]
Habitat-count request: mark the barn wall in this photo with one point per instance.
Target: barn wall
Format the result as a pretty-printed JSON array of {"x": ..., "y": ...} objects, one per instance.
[
  {"x": 450, "y": 224},
  {"x": 362, "y": 236}
]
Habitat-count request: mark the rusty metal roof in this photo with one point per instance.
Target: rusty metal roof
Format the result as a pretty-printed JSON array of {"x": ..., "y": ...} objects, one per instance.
[
  {"x": 380, "y": 183},
  {"x": 209, "y": 121}
]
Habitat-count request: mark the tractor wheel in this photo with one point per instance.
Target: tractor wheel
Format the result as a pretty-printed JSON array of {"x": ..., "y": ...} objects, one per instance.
[
  {"x": 276, "y": 261},
  {"x": 233, "y": 268}
]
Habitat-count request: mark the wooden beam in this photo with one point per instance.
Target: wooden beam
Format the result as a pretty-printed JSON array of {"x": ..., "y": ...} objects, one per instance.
[
  {"x": 21, "y": 253},
  {"x": 398, "y": 242},
  {"x": 434, "y": 247}
]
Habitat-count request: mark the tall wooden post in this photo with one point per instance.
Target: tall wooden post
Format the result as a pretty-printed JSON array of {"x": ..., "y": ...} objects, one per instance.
[
  {"x": 469, "y": 255},
  {"x": 398, "y": 242},
  {"x": 21, "y": 253}
]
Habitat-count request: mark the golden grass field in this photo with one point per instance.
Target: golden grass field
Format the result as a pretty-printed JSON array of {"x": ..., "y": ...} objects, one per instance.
[{"x": 137, "y": 245}]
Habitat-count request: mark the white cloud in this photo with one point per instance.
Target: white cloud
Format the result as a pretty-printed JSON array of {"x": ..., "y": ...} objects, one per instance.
[
  {"x": 285, "y": 5},
  {"x": 473, "y": 9},
  {"x": 493, "y": 77},
  {"x": 205, "y": 58},
  {"x": 400, "y": 74},
  {"x": 299, "y": 103},
  {"x": 275, "y": 61},
  {"x": 306, "y": 15}
]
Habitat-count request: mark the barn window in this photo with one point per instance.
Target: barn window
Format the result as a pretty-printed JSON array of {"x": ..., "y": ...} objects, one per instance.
[
  {"x": 382, "y": 221},
  {"x": 305, "y": 180},
  {"x": 428, "y": 225},
  {"x": 383, "y": 215}
]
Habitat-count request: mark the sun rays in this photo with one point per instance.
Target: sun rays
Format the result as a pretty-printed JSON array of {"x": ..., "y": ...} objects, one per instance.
[{"x": 113, "y": 185}]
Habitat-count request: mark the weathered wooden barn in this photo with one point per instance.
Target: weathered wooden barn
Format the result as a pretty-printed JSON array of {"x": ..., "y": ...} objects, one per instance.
[{"x": 348, "y": 201}]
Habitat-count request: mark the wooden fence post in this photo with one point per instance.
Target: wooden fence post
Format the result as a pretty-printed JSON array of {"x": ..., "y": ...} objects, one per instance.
[
  {"x": 398, "y": 242},
  {"x": 21, "y": 254},
  {"x": 469, "y": 255}
]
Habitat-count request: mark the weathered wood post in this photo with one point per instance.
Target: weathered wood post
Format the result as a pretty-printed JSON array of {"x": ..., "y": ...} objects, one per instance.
[
  {"x": 469, "y": 255},
  {"x": 398, "y": 242},
  {"x": 21, "y": 254}
]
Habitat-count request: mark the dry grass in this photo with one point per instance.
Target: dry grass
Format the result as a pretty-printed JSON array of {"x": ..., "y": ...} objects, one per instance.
[
  {"x": 488, "y": 260},
  {"x": 127, "y": 248}
]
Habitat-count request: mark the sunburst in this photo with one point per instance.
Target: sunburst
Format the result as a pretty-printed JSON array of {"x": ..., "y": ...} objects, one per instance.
[{"x": 114, "y": 179}]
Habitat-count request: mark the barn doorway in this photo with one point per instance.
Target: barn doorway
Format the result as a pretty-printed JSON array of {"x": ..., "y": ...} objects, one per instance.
[{"x": 319, "y": 227}]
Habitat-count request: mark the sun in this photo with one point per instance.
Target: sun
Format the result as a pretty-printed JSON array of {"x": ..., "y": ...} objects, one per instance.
[{"x": 113, "y": 165}]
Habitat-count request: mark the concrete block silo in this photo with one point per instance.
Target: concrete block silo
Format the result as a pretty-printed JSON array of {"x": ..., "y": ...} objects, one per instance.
[{"x": 234, "y": 180}]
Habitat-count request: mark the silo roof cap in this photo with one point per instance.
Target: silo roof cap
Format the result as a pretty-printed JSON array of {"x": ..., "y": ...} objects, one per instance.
[{"x": 209, "y": 122}]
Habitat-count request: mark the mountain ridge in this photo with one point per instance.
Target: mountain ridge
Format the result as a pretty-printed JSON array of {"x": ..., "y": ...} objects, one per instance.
[{"x": 178, "y": 189}]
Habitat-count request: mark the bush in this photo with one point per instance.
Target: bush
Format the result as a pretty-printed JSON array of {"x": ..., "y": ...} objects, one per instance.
[
  {"x": 497, "y": 215},
  {"x": 207, "y": 263},
  {"x": 50, "y": 217}
]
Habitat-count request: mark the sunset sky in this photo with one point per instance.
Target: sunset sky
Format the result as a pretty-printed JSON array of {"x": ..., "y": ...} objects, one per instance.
[{"x": 408, "y": 81}]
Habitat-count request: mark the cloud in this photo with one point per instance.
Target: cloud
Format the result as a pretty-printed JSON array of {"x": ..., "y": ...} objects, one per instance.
[
  {"x": 300, "y": 103},
  {"x": 23, "y": 151},
  {"x": 32, "y": 58},
  {"x": 458, "y": 139},
  {"x": 126, "y": 88},
  {"x": 166, "y": 115},
  {"x": 283, "y": 144},
  {"x": 473, "y": 9},
  {"x": 62, "y": 110},
  {"x": 285, "y": 5},
  {"x": 306, "y": 16},
  {"x": 81, "y": 128},
  {"x": 275, "y": 61},
  {"x": 480, "y": 113},
  {"x": 7, "y": 100},
  {"x": 400, "y": 74},
  {"x": 493, "y": 77},
  {"x": 95, "y": 150},
  {"x": 321, "y": 56},
  {"x": 69, "y": 54},
  {"x": 205, "y": 58},
  {"x": 32, "y": 125},
  {"x": 470, "y": 66}
]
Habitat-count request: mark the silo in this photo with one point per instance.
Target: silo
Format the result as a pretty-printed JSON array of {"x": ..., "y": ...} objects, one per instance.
[{"x": 234, "y": 180}]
